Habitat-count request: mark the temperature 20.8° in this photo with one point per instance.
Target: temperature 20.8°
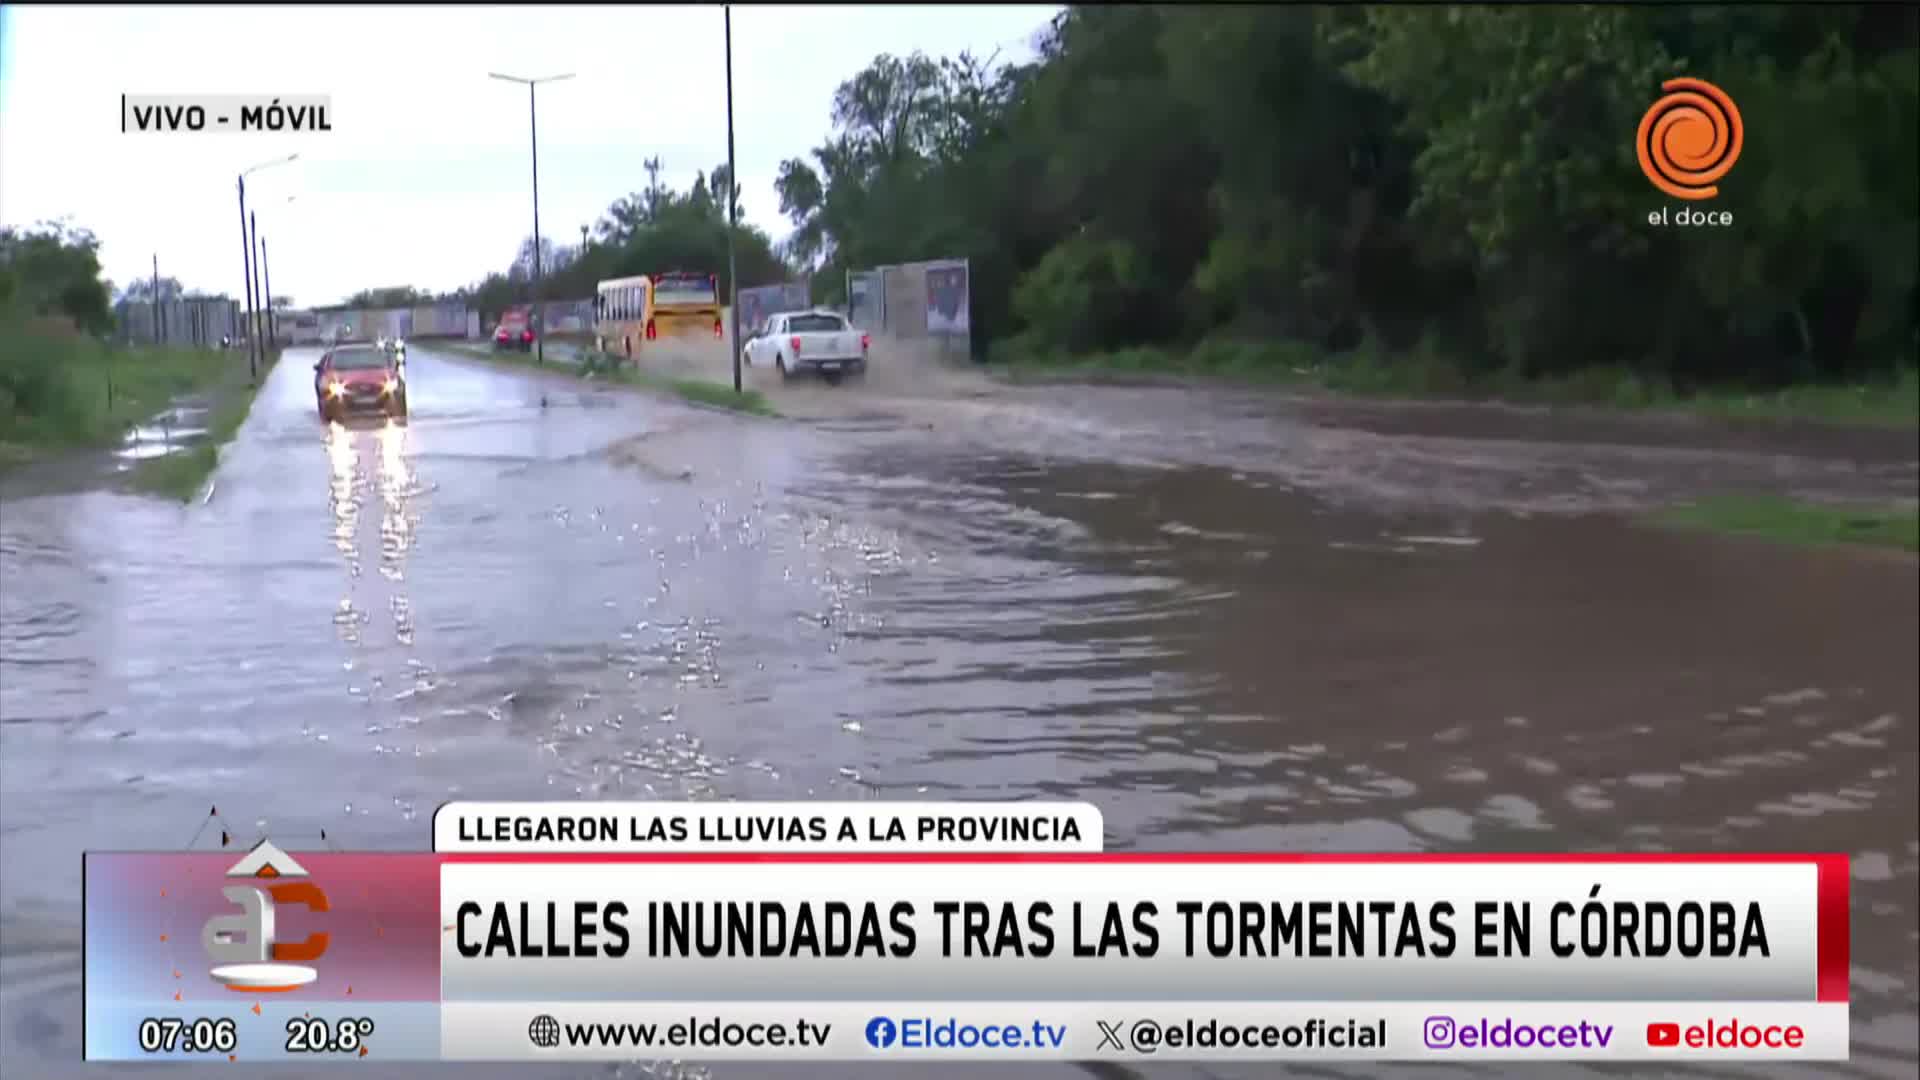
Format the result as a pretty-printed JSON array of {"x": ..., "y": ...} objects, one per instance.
[{"x": 317, "y": 1035}]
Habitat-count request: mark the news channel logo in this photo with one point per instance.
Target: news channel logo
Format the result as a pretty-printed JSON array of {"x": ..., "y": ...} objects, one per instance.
[
  {"x": 246, "y": 956},
  {"x": 1690, "y": 139}
]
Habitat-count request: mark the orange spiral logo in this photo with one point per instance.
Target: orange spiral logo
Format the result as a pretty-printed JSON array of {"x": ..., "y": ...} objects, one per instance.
[{"x": 1690, "y": 138}]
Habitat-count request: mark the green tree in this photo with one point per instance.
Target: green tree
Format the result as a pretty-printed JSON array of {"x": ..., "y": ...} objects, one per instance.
[
  {"x": 53, "y": 268},
  {"x": 400, "y": 296}
]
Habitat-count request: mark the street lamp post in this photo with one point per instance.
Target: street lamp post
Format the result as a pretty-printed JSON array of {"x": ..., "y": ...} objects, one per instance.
[
  {"x": 253, "y": 226},
  {"x": 733, "y": 212},
  {"x": 246, "y": 259},
  {"x": 266, "y": 278},
  {"x": 533, "y": 132}
]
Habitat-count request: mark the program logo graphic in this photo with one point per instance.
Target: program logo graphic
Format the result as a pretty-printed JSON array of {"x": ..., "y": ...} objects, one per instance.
[
  {"x": 1690, "y": 139},
  {"x": 247, "y": 957}
]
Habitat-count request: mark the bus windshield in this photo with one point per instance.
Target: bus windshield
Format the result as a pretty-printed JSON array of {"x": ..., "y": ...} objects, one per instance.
[{"x": 688, "y": 290}]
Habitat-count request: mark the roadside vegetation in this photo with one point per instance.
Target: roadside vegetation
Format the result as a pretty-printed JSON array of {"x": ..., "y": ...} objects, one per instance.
[
  {"x": 1791, "y": 521},
  {"x": 1891, "y": 400},
  {"x": 600, "y": 366},
  {"x": 66, "y": 385},
  {"x": 1405, "y": 200},
  {"x": 183, "y": 473}
]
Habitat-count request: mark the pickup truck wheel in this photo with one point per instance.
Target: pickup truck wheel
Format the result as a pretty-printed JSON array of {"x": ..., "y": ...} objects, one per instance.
[{"x": 780, "y": 365}]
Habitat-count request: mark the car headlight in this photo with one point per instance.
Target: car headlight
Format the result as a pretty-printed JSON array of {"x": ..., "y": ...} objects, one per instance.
[
  {"x": 335, "y": 389},
  {"x": 390, "y": 386}
]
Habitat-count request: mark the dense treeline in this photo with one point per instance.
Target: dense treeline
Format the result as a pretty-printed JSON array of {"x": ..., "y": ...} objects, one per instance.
[
  {"x": 52, "y": 270},
  {"x": 653, "y": 230},
  {"x": 1438, "y": 182},
  {"x": 64, "y": 381}
]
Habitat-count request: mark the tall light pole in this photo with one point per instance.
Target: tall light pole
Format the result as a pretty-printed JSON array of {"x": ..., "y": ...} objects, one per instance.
[
  {"x": 246, "y": 258},
  {"x": 533, "y": 131},
  {"x": 253, "y": 226},
  {"x": 733, "y": 212},
  {"x": 266, "y": 280}
]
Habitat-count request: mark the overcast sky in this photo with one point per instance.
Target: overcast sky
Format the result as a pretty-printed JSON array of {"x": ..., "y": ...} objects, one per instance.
[{"x": 425, "y": 179}]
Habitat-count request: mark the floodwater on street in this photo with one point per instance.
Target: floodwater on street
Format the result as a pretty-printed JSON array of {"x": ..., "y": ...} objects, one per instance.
[{"x": 1232, "y": 624}]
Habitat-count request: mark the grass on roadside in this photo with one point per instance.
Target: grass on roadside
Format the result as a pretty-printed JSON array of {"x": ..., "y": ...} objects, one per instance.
[
  {"x": 1423, "y": 373},
  {"x": 181, "y": 474},
  {"x": 62, "y": 390},
  {"x": 1791, "y": 521},
  {"x": 611, "y": 369}
]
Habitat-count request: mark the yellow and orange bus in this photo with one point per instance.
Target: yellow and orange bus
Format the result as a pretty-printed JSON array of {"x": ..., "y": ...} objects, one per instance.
[{"x": 631, "y": 311}]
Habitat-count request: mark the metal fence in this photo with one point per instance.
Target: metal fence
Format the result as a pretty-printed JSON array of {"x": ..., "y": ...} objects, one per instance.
[
  {"x": 567, "y": 316},
  {"x": 763, "y": 300},
  {"x": 198, "y": 321},
  {"x": 923, "y": 301},
  {"x": 366, "y": 324}
]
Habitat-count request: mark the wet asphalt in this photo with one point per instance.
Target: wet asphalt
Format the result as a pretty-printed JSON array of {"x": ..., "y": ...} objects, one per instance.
[{"x": 1230, "y": 627}]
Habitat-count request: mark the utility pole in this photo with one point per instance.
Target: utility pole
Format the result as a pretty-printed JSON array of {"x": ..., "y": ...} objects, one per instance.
[
  {"x": 158, "y": 337},
  {"x": 258, "y": 320},
  {"x": 246, "y": 260},
  {"x": 733, "y": 213},
  {"x": 246, "y": 265},
  {"x": 266, "y": 274},
  {"x": 533, "y": 131},
  {"x": 539, "y": 324}
]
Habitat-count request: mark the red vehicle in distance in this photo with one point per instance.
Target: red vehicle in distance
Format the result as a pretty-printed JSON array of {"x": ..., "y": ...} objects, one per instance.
[{"x": 515, "y": 330}]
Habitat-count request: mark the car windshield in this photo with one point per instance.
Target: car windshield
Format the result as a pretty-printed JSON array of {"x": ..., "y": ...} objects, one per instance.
[
  {"x": 359, "y": 360},
  {"x": 804, "y": 324}
]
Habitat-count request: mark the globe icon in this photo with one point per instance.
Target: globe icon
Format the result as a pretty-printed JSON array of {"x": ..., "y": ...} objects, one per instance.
[{"x": 544, "y": 1032}]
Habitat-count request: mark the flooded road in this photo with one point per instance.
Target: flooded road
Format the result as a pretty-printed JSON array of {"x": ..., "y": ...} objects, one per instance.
[{"x": 1227, "y": 628}]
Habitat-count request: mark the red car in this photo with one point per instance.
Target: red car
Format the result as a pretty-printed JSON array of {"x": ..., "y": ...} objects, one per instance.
[
  {"x": 358, "y": 378},
  {"x": 514, "y": 332}
]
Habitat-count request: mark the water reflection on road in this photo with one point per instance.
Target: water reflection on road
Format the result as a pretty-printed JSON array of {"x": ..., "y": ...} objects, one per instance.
[{"x": 538, "y": 590}]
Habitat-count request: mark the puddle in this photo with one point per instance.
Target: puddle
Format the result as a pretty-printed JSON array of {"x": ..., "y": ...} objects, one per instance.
[{"x": 153, "y": 442}]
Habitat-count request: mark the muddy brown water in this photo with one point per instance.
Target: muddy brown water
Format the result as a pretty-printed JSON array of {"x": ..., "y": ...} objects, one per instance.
[{"x": 1231, "y": 624}]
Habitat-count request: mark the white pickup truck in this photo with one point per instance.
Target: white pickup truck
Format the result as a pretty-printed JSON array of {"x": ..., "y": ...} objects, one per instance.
[{"x": 795, "y": 343}]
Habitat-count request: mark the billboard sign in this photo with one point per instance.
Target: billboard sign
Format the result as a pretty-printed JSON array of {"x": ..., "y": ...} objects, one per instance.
[{"x": 947, "y": 298}]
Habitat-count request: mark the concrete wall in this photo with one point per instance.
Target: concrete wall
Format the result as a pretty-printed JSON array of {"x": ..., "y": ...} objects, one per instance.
[
  {"x": 425, "y": 321},
  {"x": 923, "y": 302},
  {"x": 298, "y": 327},
  {"x": 439, "y": 320}
]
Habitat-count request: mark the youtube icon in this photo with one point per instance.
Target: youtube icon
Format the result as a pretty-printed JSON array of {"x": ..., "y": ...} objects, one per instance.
[{"x": 1726, "y": 1035}]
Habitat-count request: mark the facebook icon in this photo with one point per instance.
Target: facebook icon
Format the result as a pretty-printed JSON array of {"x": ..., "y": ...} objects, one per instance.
[{"x": 881, "y": 1033}]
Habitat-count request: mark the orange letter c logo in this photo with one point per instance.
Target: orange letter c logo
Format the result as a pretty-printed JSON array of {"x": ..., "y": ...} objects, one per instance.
[{"x": 308, "y": 894}]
